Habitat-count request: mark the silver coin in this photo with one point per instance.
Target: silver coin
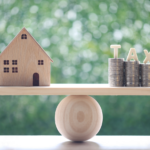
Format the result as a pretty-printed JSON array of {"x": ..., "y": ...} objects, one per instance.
[
  {"x": 116, "y": 59},
  {"x": 131, "y": 76},
  {"x": 145, "y": 85},
  {"x": 116, "y": 63},
  {"x": 131, "y": 62},
  {"x": 116, "y": 83},
  {"x": 115, "y": 75},
  {"x": 145, "y": 80},
  {"x": 145, "y": 77},
  {"x": 132, "y": 69},
  {"x": 132, "y": 84},
  {"x": 113, "y": 70},
  {"x": 116, "y": 67},
  {"x": 143, "y": 70},
  {"x": 145, "y": 66},
  {"x": 131, "y": 80},
  {"x": 112, "y": 81},
  {"x": 115, "y": 78},
  {"x": 145, "y": 73},
  {"x": 132, "y": 72},
  {"x": 131, "y": 65}
]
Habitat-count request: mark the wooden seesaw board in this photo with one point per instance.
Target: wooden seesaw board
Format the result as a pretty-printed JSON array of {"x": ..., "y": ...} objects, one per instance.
[{"x": 74, "y": 89}]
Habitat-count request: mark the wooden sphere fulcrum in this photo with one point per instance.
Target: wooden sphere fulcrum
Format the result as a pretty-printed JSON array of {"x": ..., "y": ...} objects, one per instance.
[{"x": 78, "y": 118}]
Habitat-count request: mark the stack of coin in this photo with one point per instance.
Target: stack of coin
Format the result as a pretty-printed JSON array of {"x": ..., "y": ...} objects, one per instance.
[
  {"x": 140, "y": 80},
  {"x": 115, "y": 72},
  {"x": 145, "y": 75},
  {"x": 131, "y": 73}
]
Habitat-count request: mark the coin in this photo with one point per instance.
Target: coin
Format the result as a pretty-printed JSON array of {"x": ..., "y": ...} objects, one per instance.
[
  {"x": 145, "y": 75},
  {"x": 131, "y": 73},
  {"x": 116, "y": 72}
]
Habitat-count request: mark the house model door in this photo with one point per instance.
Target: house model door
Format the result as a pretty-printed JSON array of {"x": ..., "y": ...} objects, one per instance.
[{"x": 35, "y": 79}]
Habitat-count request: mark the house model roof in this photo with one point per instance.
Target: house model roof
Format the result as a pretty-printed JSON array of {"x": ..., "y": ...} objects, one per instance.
[{"x": 25, "y": 30}]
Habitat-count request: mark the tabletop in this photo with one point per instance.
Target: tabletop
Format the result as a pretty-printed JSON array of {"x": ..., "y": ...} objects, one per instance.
[{"x": 61, "y": 143}]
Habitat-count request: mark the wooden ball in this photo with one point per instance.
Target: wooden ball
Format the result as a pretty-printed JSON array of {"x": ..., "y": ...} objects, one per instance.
[{"x": 78, "y": 118}]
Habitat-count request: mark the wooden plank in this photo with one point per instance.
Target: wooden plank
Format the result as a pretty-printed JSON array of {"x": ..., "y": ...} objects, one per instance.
[{"x": 74, "y": 89}]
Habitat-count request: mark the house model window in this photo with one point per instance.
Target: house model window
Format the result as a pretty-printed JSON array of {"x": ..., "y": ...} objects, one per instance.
[
  {"x": 40, "y": 62},
  {"x": 23, "y": 36},
  {"x": 14, "y": 62},
  {"x": 6, "y": 62},
  {"x": 6, "y": 70},
  {"x": 14, "y": 69}
]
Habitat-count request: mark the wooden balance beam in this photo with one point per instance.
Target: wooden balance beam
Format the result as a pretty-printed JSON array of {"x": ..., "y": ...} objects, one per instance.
[{"x": 74, "y": 89}]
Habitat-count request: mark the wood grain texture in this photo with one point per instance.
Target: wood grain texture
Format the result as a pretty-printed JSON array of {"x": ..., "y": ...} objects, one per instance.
[
  {"x": 78, "y": 118},
  {"x": 147, "y": 58},
  {"x": 132, "y": 55},
  {"x": 74, "y": 89},
  {"x": 27, "y": 52},
  {"x": 115, "y": 47}
]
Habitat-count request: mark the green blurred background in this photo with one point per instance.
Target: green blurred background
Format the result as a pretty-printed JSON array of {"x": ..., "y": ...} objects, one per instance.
[{"x": 77, "y": 35}]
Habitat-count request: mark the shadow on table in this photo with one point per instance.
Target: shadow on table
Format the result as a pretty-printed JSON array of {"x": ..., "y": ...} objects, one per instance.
[{"x": 78, "y": 146}]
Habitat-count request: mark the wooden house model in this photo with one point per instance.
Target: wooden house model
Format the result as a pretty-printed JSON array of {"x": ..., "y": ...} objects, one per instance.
[{"x": 24, "y": 62}]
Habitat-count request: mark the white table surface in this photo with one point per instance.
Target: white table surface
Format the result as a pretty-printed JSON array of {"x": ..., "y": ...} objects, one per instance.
[{"x": 61, "y": 143}]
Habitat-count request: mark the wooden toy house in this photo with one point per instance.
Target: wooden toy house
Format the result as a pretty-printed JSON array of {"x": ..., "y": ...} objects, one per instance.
[{"x": 24, "y": 62}]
